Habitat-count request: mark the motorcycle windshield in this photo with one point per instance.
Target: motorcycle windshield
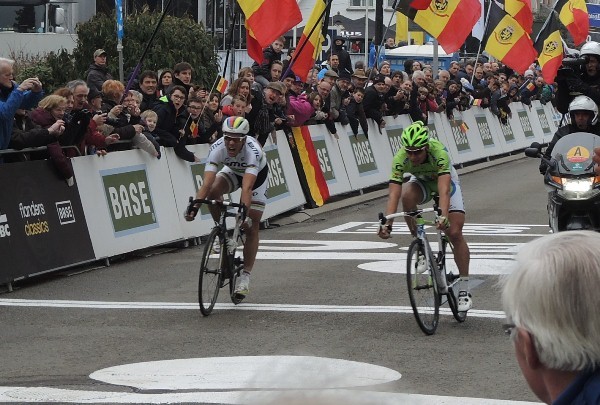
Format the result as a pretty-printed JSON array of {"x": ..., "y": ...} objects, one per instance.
[{"x": 573, "y": 153}]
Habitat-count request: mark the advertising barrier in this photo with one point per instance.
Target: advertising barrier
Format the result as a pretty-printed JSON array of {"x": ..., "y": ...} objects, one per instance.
[
  {"x": 42, "y": 222},
  {"x": 127, "y": 200}
]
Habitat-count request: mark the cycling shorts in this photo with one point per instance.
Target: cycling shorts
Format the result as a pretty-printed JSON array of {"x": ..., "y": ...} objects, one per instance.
[
  {"x": 259, "y": 191},
  {"x": 429, "y": 188}
]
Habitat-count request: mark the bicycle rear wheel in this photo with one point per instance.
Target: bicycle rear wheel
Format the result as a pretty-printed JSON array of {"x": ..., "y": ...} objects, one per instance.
[
  {"x": 210, "y": 278},
  {"x": 422, "y": 289},
  {"x": 452, "y": 292}
]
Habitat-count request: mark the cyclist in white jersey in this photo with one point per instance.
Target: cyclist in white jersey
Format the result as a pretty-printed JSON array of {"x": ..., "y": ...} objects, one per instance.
[{"x": 244, "y": 165}]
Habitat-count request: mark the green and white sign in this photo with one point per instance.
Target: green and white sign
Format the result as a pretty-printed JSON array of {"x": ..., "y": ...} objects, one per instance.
[
  {"x": 277, "y": 183},
  {"x": 363, "y": 154},
  {"x": 460, "y": 137},
  {"x": 484, "y": 130},
  {"x": 433, "y": 131},
  {"x": 395, "y": 139},
  {"x": 507, "y": 132},
  {"x": 525, "y": 124},
  {"x": 324, "y": 160},
  {"x": 129, "y": 200},
  {"x": 543, "y": 121}
]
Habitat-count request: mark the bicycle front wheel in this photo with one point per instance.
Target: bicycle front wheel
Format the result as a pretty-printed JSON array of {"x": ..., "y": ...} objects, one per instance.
[
  {"x": 422, "y": 288},
  {"x": 210, "y": 273}
]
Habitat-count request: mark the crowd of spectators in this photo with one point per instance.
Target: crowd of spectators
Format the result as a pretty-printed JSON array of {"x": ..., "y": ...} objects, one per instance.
[{"x": 94, "y": 115}]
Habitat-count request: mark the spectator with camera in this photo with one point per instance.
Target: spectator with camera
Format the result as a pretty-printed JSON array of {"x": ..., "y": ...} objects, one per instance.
[
  {"x": 581, "y": 76},
  {"x": 375, "y": 100},
  {"x": 14, "y": 96},
  {"x": 397, "y": 98}
]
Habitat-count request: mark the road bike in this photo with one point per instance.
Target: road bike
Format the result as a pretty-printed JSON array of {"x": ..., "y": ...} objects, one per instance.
[
  {"x": 429, "y": 282},
  {"x": 220, "y": 266}
]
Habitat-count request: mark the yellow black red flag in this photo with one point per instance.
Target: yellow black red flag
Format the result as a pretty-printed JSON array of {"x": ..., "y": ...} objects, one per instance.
[
  {"x": 309, "y": 46},
  {"x": 506, "y": 40},
  {"x": 449, "y": 21},
  {"x": 574, "y": 15},
  {"x": 549, "y": 47},
  {"x": 521, "y": 11}
]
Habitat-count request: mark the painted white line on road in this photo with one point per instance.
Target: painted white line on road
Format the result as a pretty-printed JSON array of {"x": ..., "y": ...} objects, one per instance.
[
  {"x": 350, "y": 397},
  {"x": 292, "y": 255},
  {"x": 355, "y": 309},
  {"x": 477, "y": 266}
]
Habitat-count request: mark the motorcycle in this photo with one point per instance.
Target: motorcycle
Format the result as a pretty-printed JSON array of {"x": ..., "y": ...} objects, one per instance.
[{"x": 573, "y": 187}]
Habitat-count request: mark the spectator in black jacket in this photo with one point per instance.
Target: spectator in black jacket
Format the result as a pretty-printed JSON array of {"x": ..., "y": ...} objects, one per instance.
[
  {"x": 97, "y": 72},
  {"x": 271, "y": 53},
  {"x": 375, "y": 100},
  {"x": 343, "y": 55}
]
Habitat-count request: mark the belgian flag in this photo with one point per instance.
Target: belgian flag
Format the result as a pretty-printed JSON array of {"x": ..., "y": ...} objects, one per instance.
[
  {"x": 449, "y": 21},
  {"x": 266, "y": 20},
  {"x": 507, "y": 41},
  {"x": 314, "y": 34},
  {"x": 549, "y": 47},
  {"x": 520, "y": 10},
  {"x": 574, "y": 15}
]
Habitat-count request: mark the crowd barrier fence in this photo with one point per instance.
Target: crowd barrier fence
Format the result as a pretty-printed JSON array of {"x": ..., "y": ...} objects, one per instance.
[{"x": 128, "y": 200}]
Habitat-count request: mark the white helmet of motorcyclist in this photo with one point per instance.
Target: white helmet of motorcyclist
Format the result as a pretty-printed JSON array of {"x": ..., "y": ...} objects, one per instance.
[
  {"x": 583, "y": 103},
  {"x": 590, "y": 48}
]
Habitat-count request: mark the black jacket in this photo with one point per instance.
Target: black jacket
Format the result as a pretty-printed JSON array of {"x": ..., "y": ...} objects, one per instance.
[{"x": 96, "y": 76}]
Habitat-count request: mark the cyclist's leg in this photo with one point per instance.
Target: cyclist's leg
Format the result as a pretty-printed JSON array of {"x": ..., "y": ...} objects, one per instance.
[
  {"x": 462, "y": 255},
  {"x": 414, "y": 192},
  {"x": 225, "y": 182},
  {"x": 259, "y": 199}
]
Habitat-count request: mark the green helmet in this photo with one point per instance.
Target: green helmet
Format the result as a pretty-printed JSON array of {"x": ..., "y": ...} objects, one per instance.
[{"x": 415, "y": 135}]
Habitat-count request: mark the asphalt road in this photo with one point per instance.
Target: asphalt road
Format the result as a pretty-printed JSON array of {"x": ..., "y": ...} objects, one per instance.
[{"x": 328, "y": 309}]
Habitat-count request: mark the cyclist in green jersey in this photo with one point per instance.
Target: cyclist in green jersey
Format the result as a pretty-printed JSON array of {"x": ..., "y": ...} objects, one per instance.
[{"x": 428, "y": 163}]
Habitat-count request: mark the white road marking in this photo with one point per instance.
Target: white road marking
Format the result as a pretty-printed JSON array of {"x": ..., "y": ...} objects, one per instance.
[
  {"x": 468, "y": 229},
  {"x": 477, "y": 266},
  {"x": 355, "y": 309},
  {"x": 350, "y": 397},
  {"x": 247, "y": 372}
]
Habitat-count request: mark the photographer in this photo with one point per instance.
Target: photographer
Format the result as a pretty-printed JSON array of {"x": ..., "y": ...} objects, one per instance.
[{"x": 579, "y": 77}]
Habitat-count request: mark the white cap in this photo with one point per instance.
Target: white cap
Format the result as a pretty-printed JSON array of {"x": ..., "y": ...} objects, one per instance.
[{"x": 529, "y": 73}]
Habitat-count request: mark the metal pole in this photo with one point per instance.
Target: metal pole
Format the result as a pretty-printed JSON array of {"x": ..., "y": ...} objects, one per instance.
[
  {"x": 367, "y": 47},
  {"x": 436, "y": 62}
]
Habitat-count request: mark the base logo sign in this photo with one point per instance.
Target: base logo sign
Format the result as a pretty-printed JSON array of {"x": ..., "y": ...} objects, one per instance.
[
  {"x": 4, "y": 227},
  {"x": 198, "y": 176},
  {"x": 395, "y": 138},
  {"x": 484, "y": 130},
  {"x": 507, "y": 132},
  {"x": 277, "y": 187},
  {"x": 42, "y": 224},
  {"x": 324, "y": 160},
  {"x": 460, "y": 135},
  {"x": 363, "y": 154},
  {"x": 543, "y": 121},
  {"x": 525, "y": 123},
  {"x": 64, "y": 209},
  {"x": 129, "y": 200}
]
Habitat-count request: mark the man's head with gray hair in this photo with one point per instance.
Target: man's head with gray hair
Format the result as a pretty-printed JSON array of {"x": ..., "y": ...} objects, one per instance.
[{"x": 552, "y": 305}]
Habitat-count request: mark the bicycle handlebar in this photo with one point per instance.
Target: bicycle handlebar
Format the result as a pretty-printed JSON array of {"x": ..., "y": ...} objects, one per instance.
[
  {"x": 242, "y": 207},
  {"x": 383, "y": 218}
]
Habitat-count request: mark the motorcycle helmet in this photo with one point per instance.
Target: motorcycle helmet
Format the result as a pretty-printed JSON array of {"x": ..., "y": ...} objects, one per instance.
[
  {"x": 590, "y": 48},
  {"x": 583, "y": 103},
  {"x": 236, "y": 126},
  {"x": 415, "y": 135}
]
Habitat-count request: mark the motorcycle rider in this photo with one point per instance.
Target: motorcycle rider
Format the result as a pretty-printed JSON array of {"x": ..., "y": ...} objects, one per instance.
[
  {"x": 585, "y": 81},
  {"x": 583, "y": 117}
]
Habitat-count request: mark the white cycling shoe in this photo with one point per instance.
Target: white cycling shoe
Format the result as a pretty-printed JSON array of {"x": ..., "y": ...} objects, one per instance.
[{"x": 465, "y": 301}]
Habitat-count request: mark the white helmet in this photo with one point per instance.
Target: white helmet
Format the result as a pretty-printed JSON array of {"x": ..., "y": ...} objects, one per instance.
[
  {"x": 590, "y": 48},
  {"x": 583, "y": 103}
]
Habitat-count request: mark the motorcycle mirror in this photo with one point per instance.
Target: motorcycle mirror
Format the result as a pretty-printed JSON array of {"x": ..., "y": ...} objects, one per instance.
[
  {"x": 536, "y": 145},
  {"x": 532, "y": 152}
]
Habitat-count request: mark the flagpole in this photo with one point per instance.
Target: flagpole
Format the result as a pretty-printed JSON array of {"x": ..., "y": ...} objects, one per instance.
[
  {"x": 485, "y": 23},
  {"x": 138, "y": 67},
  {"x": 378, "y": 50},
  {"x": 546, "y": 22},
  {"x": 298, "y": 51}
]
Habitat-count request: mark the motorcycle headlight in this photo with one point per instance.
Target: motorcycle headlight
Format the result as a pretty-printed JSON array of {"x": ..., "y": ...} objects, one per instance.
[
  {"x": 578, "y": 189},
  {"x": 578, "y": 185}
]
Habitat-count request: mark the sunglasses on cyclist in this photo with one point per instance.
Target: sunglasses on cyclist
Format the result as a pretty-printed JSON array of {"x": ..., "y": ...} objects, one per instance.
[
  {"x": 236, "y": 139},
  {"x": 414, "y": 151}
]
